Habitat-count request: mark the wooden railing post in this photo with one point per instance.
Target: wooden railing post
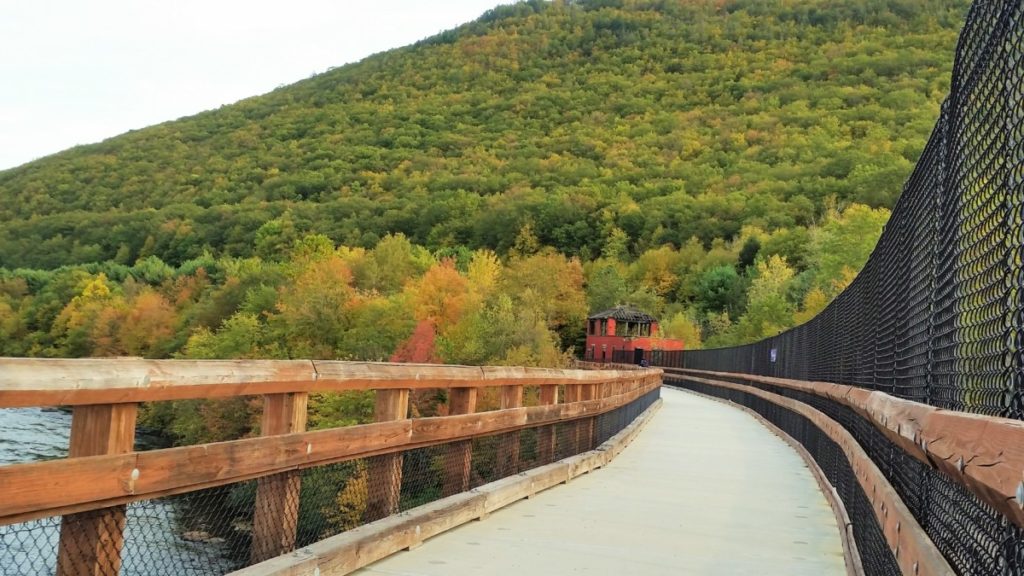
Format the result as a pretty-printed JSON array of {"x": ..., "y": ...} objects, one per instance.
[
  {"x": 574, "y": 393},
  {"x": 511, "y": 397},
  {"x": 385, "y": 472},
  {"x": 276, "y": 513},
  {"x": 589, "y": 393},
  {"x": 546, "y": 438},
  {"x": 91, "y": 542},
  {"x": 459, "y": 457}
]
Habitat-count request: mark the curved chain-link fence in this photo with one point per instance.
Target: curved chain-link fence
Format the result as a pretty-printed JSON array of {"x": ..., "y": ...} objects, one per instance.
[{"x": 937, "y": 313}]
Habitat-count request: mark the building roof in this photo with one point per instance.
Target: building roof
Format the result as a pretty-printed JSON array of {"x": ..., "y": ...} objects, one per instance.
[{"x": 624, "y": 314}]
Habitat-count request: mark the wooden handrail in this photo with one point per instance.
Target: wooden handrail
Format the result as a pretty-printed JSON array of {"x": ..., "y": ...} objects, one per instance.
[
  {"x": 916, "y": 554},
  {"x": 32, "y": 382},
  {"x": 91, "y": 488},
  {"x": 985, "y": 454},
  {"x": 40, "y": 489}
]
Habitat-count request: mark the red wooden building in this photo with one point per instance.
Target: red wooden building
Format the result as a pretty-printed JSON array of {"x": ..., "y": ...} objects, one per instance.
[{"x": 624, "y": 328}]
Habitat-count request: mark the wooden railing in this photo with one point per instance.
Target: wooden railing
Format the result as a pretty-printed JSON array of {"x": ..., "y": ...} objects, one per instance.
[
  {"x": 972, "y": 464},
  {"x": 984, "y": 454},
  {"x": 103, "y": 473}
]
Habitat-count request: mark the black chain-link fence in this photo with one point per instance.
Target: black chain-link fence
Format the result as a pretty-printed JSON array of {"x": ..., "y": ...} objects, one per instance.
[
  {"x": 214, "y": 531},
  {"x": 937, "y": 313}
]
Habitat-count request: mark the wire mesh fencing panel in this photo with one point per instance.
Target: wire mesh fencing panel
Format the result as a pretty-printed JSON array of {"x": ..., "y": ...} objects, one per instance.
[
  {"x": 29, "y": 548},
  {"x": 217, "y": 530},
  {"x": 937, "y": 313},
  {"x": 199, "y": 533}
]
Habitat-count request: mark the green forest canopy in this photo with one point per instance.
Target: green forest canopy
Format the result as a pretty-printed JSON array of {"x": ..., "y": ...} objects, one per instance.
[{"x": 664, "y": 120}]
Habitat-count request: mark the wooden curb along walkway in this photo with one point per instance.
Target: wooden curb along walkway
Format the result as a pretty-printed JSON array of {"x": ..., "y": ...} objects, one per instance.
[
  {"x": 359, "y": 547},
  {"x": 985, "y": 454},
  {"x": 851, "y": 556},
  {"x": 915, "y": 553}
]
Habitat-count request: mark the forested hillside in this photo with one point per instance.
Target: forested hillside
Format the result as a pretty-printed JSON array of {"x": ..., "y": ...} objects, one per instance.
[
  {"x": 659, "y": 120},
  {"x": 724, "y": 165}
]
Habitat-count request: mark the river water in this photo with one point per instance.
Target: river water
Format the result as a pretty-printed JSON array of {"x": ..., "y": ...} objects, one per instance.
[
  {"x": 153, "y": 543},
  {"x": 28, "y": 434}
]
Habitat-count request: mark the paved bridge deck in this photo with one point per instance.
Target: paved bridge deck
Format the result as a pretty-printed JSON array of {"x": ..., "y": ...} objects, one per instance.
[{"x": 703, "y": 490}]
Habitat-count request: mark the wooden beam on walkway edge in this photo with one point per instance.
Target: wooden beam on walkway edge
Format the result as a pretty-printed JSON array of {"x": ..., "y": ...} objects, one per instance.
[
  {"x": 104, "y": 481},
  {"x": 574, "y": 393},
  {"x": 589, "y": 392},
  {"x": 36, "y": 382},
  {"x": 546, "y": 434},
  {"x": 508, "y": 445}
]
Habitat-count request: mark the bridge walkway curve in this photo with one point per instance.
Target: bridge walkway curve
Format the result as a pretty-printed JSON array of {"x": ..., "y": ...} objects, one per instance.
[{"x": 703, "y": 490}]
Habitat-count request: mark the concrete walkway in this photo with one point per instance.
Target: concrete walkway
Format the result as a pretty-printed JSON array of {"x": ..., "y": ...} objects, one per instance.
[{"x": 705, "y": 489}]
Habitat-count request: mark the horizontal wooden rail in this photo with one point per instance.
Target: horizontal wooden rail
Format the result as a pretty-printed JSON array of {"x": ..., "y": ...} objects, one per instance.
[
  {"x": 31, "y": 382},
  {"x": 917, "y": 554},
  {"x": 985, "y": 454},
  {"x": 41, "y": 489}
]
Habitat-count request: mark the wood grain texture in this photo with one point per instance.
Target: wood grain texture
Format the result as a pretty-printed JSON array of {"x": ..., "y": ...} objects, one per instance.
[
  {"x": 385, "y": 471},
  {"x": 573, "y": 397},
  {"x": 54, "y": 382},
  {"x": 458, "y": 458},
  {"x": 28, "y": 382},
  {"x": 359, "y": 547},
  {"x": 588, "y": 392},
  {"x": 91, "y": 542},
  {"x": 276, "y": 511},
  {"x": 546, "y": 439},
  {"x": 39, "y": 489},
  {"x": 511, "y": 397}
]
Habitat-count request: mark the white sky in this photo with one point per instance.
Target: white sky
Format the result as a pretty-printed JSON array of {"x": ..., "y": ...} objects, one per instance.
[{"x": 75, "y": 72}]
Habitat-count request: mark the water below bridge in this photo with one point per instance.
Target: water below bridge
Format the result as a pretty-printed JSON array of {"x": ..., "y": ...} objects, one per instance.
[
  {"x": 32, "y": 434},
  {"x": 703, "y": 490}
]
